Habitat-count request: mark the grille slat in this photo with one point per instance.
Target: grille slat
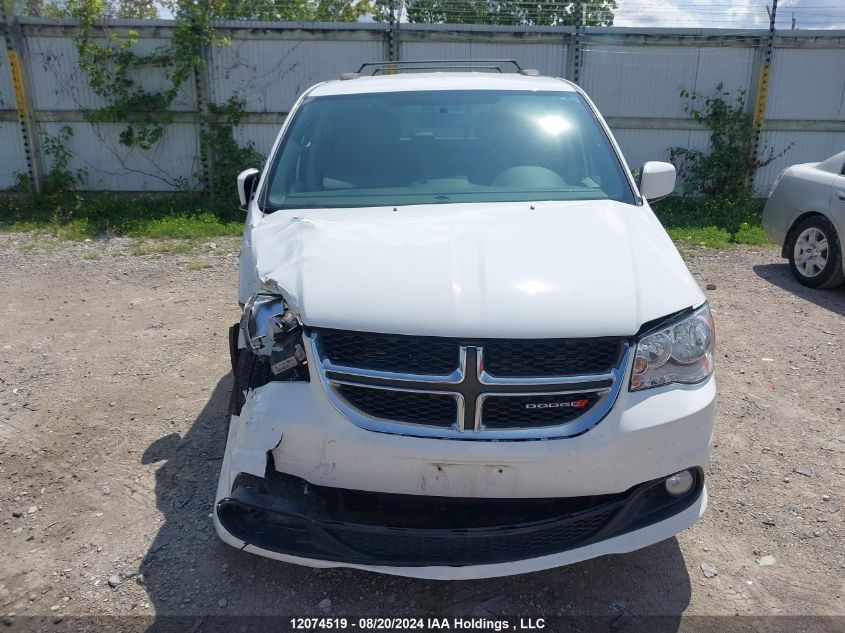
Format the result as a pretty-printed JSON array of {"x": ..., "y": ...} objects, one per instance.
[
  {"x": 389, "y": 352},
  {"x": 504, "y": 412},
  {"x": 554, "y": 357},
  {"x": 403, "y": 406}
]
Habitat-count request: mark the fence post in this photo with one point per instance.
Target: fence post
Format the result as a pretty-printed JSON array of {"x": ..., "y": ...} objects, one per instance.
[
  {"x": 203, "y": 87},
  {"x": 762, "y": 92},
  {"x": 393, "y": 31},
  {"x": 16, "y": 53},
  {"x": 575, "y": 61}
]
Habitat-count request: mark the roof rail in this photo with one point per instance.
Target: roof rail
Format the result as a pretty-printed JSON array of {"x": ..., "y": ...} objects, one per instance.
[{"x": 489, "y": 65}]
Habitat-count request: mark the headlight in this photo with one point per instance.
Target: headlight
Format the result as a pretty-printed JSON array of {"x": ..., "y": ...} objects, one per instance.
[
  {"x": 273, "y": 333},
  {"x": 680, "y": 351}
]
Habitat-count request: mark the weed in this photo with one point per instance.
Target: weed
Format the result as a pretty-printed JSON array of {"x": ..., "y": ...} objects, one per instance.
[
  {"x": 712, "y": 223},
  {"x": 60, "y": 178}
]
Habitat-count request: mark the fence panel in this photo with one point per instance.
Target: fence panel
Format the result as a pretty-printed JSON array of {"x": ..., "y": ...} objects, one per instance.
[
  {"x": 805, "y": 111},
  {"x": 62, "y": 97},
  {"x": 270, "y": 72},
  {"x": 646, "y": 81},
  {"x": 60, "y": 84},
  {"x": 12, "y": 156},
  {"x": 640, "y": 146},
  {"x": 807, "y": 84},
  {"x": 541, "y": 50},
  {"x": 109, "y": 165},
  {"x": 635, "y": 76},
  {"x": 638, "y": 86},
  {"x": 803, "y": 147}
]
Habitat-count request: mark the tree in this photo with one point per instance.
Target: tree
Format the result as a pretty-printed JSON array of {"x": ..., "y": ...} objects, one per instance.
[
  {"x": 268, "y": 10},
  {"x": 287, "y": 10},
  {"x": 504, "y": 12},
  {"x": 123, "y": 9}
]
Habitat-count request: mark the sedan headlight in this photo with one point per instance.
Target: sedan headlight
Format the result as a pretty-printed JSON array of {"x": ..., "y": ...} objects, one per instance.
[{"x": 680, "y": 351}]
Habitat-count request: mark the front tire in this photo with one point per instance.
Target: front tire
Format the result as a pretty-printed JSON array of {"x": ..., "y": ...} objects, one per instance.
[{"x": 815, "y": 253}]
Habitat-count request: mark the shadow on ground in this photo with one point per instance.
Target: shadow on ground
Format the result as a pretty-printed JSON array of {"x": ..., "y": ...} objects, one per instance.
[
  {"x": 832, "y": 299},
  {"x": 188, "y": 571}
]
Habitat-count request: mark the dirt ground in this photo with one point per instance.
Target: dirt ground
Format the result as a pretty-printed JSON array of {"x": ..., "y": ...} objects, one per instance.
[{"x": 114, "y": 381}]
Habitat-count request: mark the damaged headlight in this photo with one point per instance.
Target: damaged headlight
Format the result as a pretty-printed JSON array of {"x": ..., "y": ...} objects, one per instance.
[
  {"x": 274, "y": 334},
  {"x": 677, "y": 352}
]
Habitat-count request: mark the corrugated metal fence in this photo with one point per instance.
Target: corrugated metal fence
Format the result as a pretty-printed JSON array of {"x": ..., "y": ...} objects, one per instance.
[{"x": 635, "y": 77}]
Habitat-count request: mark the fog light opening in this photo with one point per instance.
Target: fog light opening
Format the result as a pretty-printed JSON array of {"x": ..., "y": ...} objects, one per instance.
[{"x": 680, "y": 483}]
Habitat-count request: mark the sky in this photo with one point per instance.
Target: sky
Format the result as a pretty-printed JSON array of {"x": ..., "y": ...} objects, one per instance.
[
  {"x": 809, "y": 14},
  {"x": 724, "y": 14}
]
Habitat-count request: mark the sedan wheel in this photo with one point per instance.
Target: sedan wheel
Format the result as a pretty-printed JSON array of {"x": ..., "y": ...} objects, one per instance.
[
  {"x": 811, "y": 252},
  {"x": 814, "y": 253}
]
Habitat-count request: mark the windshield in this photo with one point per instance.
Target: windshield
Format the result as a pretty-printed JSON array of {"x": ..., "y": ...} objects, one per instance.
[{"x": 428, "y": 147}]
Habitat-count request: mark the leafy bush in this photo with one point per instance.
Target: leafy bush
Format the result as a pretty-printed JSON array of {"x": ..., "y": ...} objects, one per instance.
[{"x": 729, "y": 166}]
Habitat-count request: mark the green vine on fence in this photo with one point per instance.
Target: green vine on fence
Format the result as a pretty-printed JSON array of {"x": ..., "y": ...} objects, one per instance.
[
  {"x": 217, "y": 139},
  {"x": 60, "y": 177},
  {"x": 113, "y": 64},
  {"x": 730, "y": 164}
]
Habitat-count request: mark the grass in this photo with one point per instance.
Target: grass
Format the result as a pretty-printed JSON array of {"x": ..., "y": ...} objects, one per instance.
[
  {"x": 711, "y": 223},
  {"x": 169, "y": 222},
  {"x": 76, "y": 216}
]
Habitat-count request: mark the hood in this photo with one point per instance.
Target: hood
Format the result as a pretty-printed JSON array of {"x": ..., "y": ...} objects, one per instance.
[{"x": 501, "y": 270}]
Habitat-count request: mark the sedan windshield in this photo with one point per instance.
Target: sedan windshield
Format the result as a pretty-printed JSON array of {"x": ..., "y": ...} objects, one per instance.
[{"x": 428, "y": 147}]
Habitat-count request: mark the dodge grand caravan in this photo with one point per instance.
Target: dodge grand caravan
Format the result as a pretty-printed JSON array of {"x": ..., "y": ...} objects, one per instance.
[{"x": 468, "y": 347}]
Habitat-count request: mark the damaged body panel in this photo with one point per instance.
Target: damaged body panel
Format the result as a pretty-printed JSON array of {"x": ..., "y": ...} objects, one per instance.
[
  {"x": 468, "y": 348},
  {"x": 519, "y": 477},
  {"x": 455, "y": 282}
]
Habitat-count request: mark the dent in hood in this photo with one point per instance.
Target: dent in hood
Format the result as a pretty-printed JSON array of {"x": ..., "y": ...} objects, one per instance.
[{"x": 552, "y": 269}]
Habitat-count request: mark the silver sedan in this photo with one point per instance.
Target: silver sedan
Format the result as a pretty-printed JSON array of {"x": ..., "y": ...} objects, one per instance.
[{"x": 805, "y": 214}]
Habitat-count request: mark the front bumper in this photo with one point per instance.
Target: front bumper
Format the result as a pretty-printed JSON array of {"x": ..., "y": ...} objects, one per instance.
[
  {"x": 647, "y": 435},
  {"x": 291, "y": 428},
  {"x": 286, "y": 515},
  {"x": 619, "y": 544}
]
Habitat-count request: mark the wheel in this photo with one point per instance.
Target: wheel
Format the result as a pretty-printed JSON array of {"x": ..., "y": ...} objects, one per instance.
[
  {"x": 815, "y": 253},
  {"x": 249, "y": 373}
]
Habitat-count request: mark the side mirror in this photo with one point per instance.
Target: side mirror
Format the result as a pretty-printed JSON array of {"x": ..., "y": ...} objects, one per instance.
[
  {"x": 247, "y": 181},
  {"x": 657, "y": 180}
]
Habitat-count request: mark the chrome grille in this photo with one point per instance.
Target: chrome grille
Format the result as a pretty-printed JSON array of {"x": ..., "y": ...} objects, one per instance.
[
  {"x": 410, "y": 385},
  {"x": 439, "y": 355},
  {"x": 403, "y": 406},
  {"x": 390, "y": 352}
]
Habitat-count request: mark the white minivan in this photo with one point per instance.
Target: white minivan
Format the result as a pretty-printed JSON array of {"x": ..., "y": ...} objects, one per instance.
[{"x": 468, "y": 347}]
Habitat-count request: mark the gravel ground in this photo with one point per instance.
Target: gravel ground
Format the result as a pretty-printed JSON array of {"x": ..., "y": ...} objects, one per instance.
[{"x": 114, "y": 382}]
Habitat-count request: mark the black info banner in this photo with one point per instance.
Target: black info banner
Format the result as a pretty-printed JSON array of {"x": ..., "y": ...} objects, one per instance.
[{"x": 426, "y": 623}]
